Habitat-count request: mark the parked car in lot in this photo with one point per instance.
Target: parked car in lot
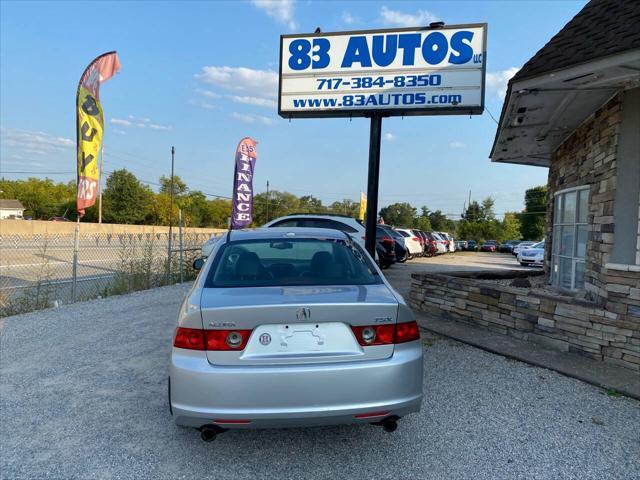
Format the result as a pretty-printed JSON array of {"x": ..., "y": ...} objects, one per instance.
[
  {"x": 402, "y": 252},
  {"x": 412, "y": 242},
  {"x": 207, "y": 247},
  {"x": 533, "y": 256},
  {"x": 508, "y": 246},
  {"x": 442, "y": 245},
  {"x": 344, "y": 223},
  {"x": 522, "y": 246},
  {"x": 450, "y": 242},
  {"x": 385, "y": 247},
  {"x": 333, "y": 342},
  {"x": 461, "y": 244},
  {"x": 472, "y": 245},
  {"x": 421, "y": 238},
  {"x": 489, "y": 246}
]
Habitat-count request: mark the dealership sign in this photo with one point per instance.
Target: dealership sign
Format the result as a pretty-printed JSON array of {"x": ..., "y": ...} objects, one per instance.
[{"x": 409, "y": 71}]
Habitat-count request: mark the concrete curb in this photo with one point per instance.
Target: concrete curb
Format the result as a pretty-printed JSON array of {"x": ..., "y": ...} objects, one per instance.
[{"x": 600, "y": 374}]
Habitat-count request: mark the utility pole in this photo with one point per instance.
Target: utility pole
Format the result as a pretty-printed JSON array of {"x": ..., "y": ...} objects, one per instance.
[
  {"x": 372, "y": 183},
  {"x": 267, "y": 200},
  {"x": 100, "y": 185},
  {"x": 169, "y": 252}
]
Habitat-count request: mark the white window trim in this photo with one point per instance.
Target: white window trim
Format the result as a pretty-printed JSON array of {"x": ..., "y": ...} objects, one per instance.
[{"x": 555, "y": 280}]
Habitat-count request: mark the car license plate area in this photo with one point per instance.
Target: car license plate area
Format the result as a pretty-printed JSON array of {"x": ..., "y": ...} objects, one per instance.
[{"x": 325, "y": 339}]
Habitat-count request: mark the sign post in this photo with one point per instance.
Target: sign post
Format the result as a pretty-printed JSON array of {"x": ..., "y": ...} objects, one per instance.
[
  {"x": 434, "y": 70},
  {"x": 372, "y": 184}
]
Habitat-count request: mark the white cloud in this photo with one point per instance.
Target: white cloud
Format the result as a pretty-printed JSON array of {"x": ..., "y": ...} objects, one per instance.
[
  {"x": 38, "y": 143},
  {"x": 456, "y": 144},
  {"x": 257, "y": 83},
  {"x": 120, "y": 121},
  {"x": 349, "y": 19},
  {"x": 208, "y": 93},
  {"x": 138, "y": 122},
  {"x": 250, "y": 118},
  {"x": 280, "y": 10},
  {"x": 401, "y": 19},
  {"x": 389, "y": 137},
  {"x": 497, "y": 81},
  {"x": 260, "y": 102}
]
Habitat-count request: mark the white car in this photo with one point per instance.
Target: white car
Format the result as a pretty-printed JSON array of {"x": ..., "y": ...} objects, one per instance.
[
  {"x": 209, "y": 244},
  {"x": 522, "y": 246},
  {"x": 441, "y": 243},
  {"x": 344, "y": 223},
  {"x": 411, "y": 242},
  {"x": 532, "y": 256},
  {"x": 452, "y": 244}
]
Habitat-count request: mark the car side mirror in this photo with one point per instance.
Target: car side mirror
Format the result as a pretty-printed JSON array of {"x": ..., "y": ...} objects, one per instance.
[{"x": 198, "y": 263}]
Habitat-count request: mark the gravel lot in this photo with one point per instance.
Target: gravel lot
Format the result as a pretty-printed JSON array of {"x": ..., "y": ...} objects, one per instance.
[{"x": 83, "y": 395}]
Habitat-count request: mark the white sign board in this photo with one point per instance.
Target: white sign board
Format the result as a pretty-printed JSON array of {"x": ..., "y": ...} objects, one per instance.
[{"x": 409, "y": 71}]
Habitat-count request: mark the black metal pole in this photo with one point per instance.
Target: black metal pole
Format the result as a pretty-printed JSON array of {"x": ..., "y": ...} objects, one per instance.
[
  {"x": 267, "y": 200},
  {"x": 170, "y": 245},
  {"x": 372, "y": 183}
]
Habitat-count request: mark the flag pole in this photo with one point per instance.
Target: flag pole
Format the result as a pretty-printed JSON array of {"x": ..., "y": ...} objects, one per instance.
[{"x": 100, "y": 184}]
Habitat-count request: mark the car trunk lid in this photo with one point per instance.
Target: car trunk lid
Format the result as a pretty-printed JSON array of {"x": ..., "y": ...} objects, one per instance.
[{"x": 298, "y": 325}]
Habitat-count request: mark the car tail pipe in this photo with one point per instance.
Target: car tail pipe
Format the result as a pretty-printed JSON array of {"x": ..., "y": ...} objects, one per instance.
[
  {"x": 208, "y": 433},
  {"x": 389, "y": 424}
]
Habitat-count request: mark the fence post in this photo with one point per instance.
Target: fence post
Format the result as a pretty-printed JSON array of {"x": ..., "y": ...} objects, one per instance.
[
  {"x": 76, "y": 244},
  {"x": 169, "y": 257},
  {"x": 181, "y": 245}
]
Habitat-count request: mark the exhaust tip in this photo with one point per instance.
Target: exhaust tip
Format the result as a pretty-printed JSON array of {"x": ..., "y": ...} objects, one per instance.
[
  {"x": 390, "y": 425},
  {"x": 208, "y": 433}
]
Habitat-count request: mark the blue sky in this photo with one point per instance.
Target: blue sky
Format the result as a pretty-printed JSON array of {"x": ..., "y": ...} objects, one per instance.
[{"x": 201, "y": 75}]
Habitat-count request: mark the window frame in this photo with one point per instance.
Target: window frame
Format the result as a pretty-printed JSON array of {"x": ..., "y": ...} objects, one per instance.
[{"x": 558, "y": 223}]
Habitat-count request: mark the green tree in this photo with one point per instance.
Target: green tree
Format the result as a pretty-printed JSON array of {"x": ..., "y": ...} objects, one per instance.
[
  {"x": 440, "y": 222},
  {"x": 532, "y": 219},
  {"x": 125, "y": 199},
  {"x": 399, "y": 214},
  {"x": 510, "y": 228},
  {"x": 179, "y": 187},
  {"x": 42, "y": 198},
  {"x": 309, "y": 203},
  {"x": 345, "y": 207}
]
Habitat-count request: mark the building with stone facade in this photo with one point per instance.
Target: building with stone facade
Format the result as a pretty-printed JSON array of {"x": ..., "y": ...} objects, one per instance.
[{"x": 574, "y": 108}]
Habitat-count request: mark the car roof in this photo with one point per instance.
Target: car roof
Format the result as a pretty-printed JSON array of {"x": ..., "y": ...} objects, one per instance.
[
  {"x": 283, "y": 232},
  {"x": 335, "y": 216}
]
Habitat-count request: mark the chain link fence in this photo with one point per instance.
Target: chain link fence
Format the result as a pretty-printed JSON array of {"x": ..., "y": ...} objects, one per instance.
[{"x": 41, "y": 271}]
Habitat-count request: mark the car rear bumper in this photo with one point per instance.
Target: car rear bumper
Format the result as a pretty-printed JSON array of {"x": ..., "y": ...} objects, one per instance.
[
  {"x": 303, "y": 395},
  {"x": 531, "y": 261}
]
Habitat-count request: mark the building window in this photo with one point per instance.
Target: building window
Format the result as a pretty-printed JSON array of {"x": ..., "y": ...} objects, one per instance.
[{"x": 570, "y": 232}]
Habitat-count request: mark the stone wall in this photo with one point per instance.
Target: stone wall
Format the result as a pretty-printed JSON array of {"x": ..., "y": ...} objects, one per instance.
[
  {"x": 561, "y": 322},
  {"x": 588, "y": 157}
]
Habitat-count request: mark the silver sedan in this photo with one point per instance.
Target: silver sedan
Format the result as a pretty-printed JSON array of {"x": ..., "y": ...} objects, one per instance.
[{"x": 293, "y": 327}]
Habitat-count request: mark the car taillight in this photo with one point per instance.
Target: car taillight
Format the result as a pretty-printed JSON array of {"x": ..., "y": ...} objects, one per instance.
[
  {"x": 369, "y": 335},
  {"x": 226, "y": 339},
  {"x": 197, "y": 339},
  {"x": 189, "y": 338},
  {"x": 407, "y": 332},
  {"x": 386, "y": 239},
  {"x": 418, "y": 240}
]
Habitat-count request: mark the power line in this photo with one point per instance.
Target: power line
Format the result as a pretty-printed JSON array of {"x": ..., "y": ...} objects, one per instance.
[{"x": 491, "y": 115}]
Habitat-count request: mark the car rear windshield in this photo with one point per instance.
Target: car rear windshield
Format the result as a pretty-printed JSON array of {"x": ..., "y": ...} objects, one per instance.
[{"x": 291, "y": 262}]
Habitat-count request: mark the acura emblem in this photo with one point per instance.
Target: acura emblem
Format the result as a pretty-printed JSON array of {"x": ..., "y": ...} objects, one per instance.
[
  {"x": 265, "y": 339},
  {"x": 303, "y": 313}
]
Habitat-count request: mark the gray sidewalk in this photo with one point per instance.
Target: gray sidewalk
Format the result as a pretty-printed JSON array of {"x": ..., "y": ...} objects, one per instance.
[{"x": 622, "y": 380}]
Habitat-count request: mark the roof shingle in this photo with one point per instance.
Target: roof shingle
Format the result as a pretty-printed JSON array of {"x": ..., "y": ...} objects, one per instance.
[{"x": 601, "y": 28}]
